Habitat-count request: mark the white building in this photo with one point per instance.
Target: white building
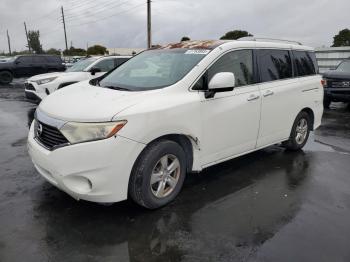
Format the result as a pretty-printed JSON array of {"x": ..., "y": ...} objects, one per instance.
[
  {"x": 124, "y": 51},
  {"x": 330, "y": 57}
]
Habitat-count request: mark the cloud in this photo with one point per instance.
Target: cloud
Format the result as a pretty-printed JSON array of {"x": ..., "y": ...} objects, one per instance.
[{"x": 123, "y": 23}]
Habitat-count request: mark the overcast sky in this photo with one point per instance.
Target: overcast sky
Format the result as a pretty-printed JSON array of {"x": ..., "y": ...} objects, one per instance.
[{"x": 122, "y": 23}]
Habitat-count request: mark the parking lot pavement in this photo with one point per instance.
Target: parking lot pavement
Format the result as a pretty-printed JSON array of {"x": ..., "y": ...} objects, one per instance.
[{"x": 271, "y": 205}]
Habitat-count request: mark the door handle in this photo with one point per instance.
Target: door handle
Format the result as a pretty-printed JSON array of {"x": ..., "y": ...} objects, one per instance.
[
  {"x": 268, "y": 93},
  {"x": 253, "y": 97}
]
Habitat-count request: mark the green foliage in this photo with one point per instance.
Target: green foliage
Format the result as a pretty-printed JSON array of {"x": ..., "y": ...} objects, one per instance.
[
  {"x": 53, "y": 51},
  {"x": 234, "y": 35},
  {"x": 74, "y": 52},
  {"x": 342, "y": 38},
  {"x": 185, "y": 38},
  {"x": 97, "y": 50},
  {"x": 34, "y": 41}
]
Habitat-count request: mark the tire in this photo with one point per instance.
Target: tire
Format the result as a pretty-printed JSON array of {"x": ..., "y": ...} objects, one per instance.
[
  {"x": 149, "y": 166},
  {"x": 326, "y": 102},
  {"x": 6, "y": 77},
  {"x": 300, "y": 132}
]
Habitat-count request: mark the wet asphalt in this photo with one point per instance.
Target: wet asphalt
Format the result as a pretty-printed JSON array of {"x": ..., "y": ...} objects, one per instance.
[{"x": 270, "y": 205}]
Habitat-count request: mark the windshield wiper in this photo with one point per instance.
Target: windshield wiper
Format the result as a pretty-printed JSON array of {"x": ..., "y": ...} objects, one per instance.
[{"x": 117, "y": 88}]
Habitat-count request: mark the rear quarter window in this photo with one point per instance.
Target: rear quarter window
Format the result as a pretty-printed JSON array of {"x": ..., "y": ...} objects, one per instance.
[{"x": 305, "y": 63}]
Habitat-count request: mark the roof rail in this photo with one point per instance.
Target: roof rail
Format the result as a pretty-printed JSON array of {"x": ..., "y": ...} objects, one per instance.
[{"x": 252, "y": 38}]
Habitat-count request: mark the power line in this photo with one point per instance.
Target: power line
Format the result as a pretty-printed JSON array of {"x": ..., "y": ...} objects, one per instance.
[
  {"x": 103, "y": 9},
  {"x": 107, "y": 17}
]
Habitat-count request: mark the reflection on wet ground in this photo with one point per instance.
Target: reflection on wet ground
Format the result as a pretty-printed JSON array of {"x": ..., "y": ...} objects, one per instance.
[{"x": 271, "y": 205}]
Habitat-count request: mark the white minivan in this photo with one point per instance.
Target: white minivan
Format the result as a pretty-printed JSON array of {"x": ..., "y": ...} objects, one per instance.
[
  {"x": 40, "y": 86},
  {"x": 180, "y": 108}
]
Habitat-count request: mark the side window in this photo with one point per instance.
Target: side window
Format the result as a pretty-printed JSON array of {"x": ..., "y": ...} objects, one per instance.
[
  {"x": 238, "y": 62},
  {"x": 105, "y": 65},
  {"x": 305, "y": 63},
  {"x": 25, "y": 60},
  {"x": 38, "y": 60},
  {"x": 274, "y": 65}
]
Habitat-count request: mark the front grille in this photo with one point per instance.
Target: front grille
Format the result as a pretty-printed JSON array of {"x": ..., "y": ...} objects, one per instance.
[
  {"x": 29, "y": 86},
  {"x": 49, "y": 136}
]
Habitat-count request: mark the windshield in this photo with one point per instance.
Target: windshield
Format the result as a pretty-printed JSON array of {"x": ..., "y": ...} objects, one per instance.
[
  {"x": 344, "y": 66},
  {"x": 81, "y": 65},
  {"x": 154, "y": 69}
]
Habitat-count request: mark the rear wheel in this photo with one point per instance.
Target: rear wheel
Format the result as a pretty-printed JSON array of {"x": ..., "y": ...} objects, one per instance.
[
  {"x": 300, "y": 132},
  {"x": 158, "y": 174},
  {"x": 6, "y": 77}
]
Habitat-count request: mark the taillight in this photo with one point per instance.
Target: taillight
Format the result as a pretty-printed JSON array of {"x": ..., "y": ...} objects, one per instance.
[{"x": 324, "y": 82}]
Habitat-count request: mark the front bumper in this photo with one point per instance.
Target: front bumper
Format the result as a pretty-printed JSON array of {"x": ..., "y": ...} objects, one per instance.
[
  {"x": 33, "y": 91},
  {"x": 337, "y": 94},
  {"x": 96, "y": 171}
]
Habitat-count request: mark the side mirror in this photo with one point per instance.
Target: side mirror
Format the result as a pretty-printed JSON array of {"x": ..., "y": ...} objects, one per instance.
[
  {"x": 17, "y": 62},
  {"x": 221, "y": 82},
  {"x": 94, "y": 70}
]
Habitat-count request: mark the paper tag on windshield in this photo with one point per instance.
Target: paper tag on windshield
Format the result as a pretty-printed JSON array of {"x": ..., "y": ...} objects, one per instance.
[{"x": 197, "y": 52}]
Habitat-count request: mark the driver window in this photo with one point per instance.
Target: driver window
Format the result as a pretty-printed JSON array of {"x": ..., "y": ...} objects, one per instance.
[
  {"x": 105, "y": 65},
  {"x": 238, "y": 62}
]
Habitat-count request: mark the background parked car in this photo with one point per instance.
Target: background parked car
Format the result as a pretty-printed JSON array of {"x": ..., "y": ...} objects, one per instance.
[
  {"x": 39, "y": 86},
  {"x": 336, "y": 84},
  {"x": 29, "y": 65}
]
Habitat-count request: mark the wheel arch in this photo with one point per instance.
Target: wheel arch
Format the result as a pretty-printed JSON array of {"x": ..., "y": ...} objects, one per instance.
[
  {"x": 311, "y": 113},
  {"x": 185, "y": 141}
]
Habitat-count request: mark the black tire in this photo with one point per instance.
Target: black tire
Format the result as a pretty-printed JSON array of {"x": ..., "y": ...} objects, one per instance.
[
  {"x": 326, "y": 102},
  {"x": 6, "y": 77},
  {"x": 140, "y": 189},
  {"x": 294, "y": 143}
]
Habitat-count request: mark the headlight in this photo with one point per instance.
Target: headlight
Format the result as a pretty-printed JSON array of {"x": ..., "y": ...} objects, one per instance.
[
  {"x": 45, "y": 80},
  {"x": 82, "y": 132}
]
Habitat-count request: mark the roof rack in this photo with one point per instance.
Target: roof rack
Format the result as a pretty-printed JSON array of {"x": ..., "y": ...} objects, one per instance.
[{"x": 252, "y": 38}]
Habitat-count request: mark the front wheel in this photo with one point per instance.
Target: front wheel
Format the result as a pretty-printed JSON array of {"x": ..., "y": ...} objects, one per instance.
[
  {"x": 158, "y": 174},
  {"x": 300, "y": 132},
  {"x": 326, "y": 102},
  {"x": 6, "y": 77}
]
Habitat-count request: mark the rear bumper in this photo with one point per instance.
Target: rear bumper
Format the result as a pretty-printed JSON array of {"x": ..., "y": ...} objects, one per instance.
[{"x": 337, "y": 94}]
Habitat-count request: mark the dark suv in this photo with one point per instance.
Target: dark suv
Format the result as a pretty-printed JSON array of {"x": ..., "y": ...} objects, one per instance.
[
  {"x": 29, "y": 65},
  {"x": 336, "y": 84}
]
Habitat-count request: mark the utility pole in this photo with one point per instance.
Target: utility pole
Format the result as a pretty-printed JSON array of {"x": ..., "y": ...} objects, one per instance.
[
  {"x": 149, "y": 25},
  {"x": 64, "y": 28},
  {"x": 25, "y": 28},
  {"x": 8, "y": 41}
]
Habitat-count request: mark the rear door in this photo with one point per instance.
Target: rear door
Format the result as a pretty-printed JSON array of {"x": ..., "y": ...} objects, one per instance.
[
  {"x": 230, "y": 120},
  {"x": 40, "y": 65},
  {"x": 280, "y": 94}
]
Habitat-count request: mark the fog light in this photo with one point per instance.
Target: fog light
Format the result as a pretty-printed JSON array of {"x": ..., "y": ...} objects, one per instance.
[{"x": 78, "y": 184}]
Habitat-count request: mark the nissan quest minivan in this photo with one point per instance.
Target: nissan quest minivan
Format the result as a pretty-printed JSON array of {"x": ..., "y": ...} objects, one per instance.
[{"x": 136, "y": 131}]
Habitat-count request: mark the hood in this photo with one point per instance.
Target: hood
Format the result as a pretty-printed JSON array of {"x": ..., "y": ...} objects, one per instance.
[
  {"x": 83, "y": 102},
  {"x": 337, "y": 74},
  {"x": 56, "y": 74},
  {"x": 6, "y": 65}
]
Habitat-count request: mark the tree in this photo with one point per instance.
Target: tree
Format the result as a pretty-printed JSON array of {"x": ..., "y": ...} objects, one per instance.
[
  {"x": 185, "y": 38},
  {"x": 53, "y": 51},
  {"x": 234, "y": 35},
  {"x": 342, "y": 38},
  {"x": 34, "y": 41},
  {"x": 97, "y": 50},
  {"x": 75, "y": 51}
]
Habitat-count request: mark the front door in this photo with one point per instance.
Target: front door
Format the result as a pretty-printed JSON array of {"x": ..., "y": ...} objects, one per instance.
[{"x": 230, "y": 120}]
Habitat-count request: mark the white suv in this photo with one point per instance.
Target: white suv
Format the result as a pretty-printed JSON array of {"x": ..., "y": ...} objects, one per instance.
[
  {"x": 169, "y": 111},
  {"x": 38, "y": 87}
]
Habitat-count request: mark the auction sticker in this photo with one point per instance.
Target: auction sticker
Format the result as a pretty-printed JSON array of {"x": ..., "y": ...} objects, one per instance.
[{"x": 197, "y": 52}]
